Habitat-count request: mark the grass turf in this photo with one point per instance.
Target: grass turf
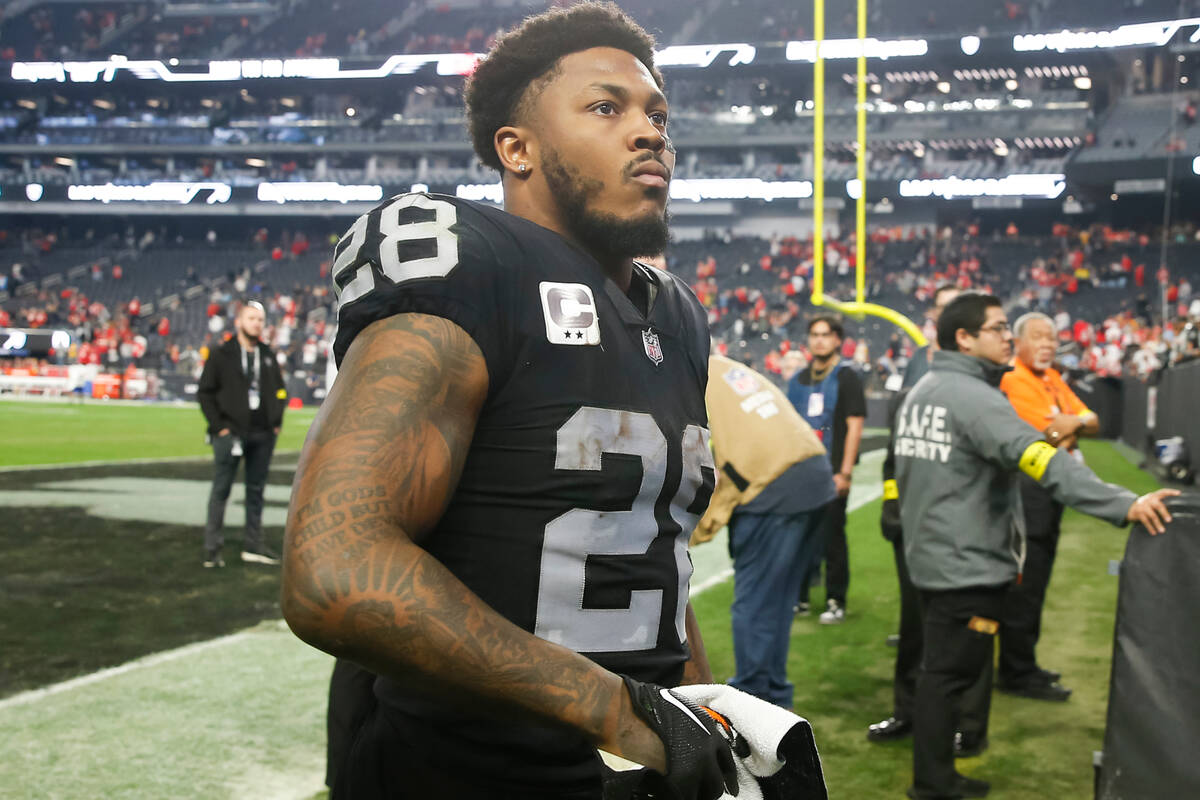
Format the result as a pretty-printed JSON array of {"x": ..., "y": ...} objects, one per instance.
[{"x": 63, "y": 433}]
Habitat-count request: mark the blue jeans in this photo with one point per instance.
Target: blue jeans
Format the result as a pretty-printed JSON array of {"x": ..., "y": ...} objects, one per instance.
[{"x": 772, "y": 553}]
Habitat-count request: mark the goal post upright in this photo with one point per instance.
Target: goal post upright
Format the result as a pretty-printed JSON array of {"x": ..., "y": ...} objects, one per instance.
[{"x": 859, "y": 307}]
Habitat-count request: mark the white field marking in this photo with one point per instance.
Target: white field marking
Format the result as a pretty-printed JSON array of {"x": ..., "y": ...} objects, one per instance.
[
  {"x": 121, "y": 461},
  {"x": 864, "y": 490},
  {"x": 152, "y": 660}
]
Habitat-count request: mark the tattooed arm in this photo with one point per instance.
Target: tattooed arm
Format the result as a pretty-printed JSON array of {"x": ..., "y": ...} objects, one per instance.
[
  {"x": 378, "y": 468},
  {"x": 696, "y": 668}
]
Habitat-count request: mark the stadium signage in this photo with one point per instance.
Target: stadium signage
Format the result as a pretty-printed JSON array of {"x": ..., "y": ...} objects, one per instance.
[
  {"x": 1048, "y": 186},
  {"x": 1153, "y": 34},
  {"x": 318, "y": 192},
  {"x": 697, "y": 189},
  {"x": 697, "y": 56},
  {"x": 703, "y": 55},
  {"x": 157, "y": 192},
  {"x": 693, "y": 189},
  {"x": 850, "y": 48},
  {"x": 22, "y": 342}
]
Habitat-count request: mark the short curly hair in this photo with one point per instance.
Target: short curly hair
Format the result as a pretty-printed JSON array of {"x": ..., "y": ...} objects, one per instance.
[{"x": 505, "y": 82}]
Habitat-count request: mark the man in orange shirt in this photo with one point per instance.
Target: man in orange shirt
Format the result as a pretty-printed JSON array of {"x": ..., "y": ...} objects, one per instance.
[{"x": 1040, "y": 397}]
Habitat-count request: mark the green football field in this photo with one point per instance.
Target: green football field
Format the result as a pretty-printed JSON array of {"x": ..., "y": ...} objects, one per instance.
[
  {"x": 67, "y": 433},
  {"x": 127, "y": 671}
]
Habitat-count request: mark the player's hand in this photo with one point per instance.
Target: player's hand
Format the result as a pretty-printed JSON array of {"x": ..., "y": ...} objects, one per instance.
[
  {"x": 700, "y": 762},
  {"x": 1151, "y": 512},
  {"x": 842, "y": 484},
  {"x": 223, "y": 432}
]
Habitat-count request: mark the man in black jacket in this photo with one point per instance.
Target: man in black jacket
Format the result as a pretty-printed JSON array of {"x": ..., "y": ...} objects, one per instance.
[{"x": 242, "y": 396}]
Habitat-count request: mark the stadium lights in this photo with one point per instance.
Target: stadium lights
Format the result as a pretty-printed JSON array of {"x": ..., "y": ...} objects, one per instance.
[
  {"x": 693, "y": 189},
  {"x": 319, "y": 192},
  {"x": 703, "y": 55},
  {"x": 1196, "y": 165},
  {"x": 33, "y": 192},
  {"x": 1083, "y": 82},
  {"x": 1048, "y": 186},
  {"x": 850, "y": 48},
  {"x": 156, "y": 192},
  {"x": 698, "y": 56},
  {"x": 697, "y": 189},
  {"x": 1153, "y": 34}
]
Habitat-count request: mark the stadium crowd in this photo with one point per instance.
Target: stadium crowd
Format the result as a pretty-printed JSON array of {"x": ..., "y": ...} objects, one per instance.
[{"x": 1106, "y": 302}]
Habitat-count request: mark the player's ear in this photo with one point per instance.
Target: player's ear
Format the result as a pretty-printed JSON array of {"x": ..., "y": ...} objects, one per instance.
[{"x": 513, "y": 147}]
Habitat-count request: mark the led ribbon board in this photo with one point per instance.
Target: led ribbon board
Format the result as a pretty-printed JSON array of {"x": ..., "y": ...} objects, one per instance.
[{"x": 696, "y": 56}]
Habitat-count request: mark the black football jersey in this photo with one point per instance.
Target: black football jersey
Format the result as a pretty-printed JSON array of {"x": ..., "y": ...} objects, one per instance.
[{"x": 590, "y": 463}]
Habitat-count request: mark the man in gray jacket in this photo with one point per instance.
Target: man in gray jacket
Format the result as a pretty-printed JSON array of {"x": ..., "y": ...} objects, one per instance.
[{"x": 960, "y": 447}]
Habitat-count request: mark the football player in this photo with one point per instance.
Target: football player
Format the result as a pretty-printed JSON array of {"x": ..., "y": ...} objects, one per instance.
[{"x": 492, "y": 509}]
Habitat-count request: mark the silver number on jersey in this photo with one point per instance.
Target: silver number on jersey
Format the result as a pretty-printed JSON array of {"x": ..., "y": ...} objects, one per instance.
[
  {"x": 394, "y": 232},
  {"x": 571, "y": 537}
]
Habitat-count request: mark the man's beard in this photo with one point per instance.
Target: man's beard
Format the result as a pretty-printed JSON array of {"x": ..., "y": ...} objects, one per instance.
[{"x": 603, "y": 235}]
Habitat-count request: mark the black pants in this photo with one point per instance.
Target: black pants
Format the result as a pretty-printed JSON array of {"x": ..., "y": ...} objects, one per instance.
[
  {"x": 976, "y": 701},
  {"x": 351, "y": 701},
  {"x": 955, "y": 654},
  {"x": 1021, "y": 620},
  {"x": 837, "y": 557},
  {"x": 257, "y": 448}
]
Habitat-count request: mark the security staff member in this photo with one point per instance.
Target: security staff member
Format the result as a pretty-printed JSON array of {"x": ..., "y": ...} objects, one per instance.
[
  {"x": 242, "y": 396},
  {"x": 773, "y": 486},
  {"x": 971, "y": 737},
  {"x": 959, "y": 448},
  {"x": 1042, "y": 398}
]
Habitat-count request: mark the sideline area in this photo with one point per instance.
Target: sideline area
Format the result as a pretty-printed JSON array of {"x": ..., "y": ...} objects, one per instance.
[{"x": 242, "y": 716}]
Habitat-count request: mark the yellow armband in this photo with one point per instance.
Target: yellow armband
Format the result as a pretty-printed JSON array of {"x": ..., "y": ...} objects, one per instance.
[
  {"x": 890, "y": 492},
  {"x": 1036, "y": 458}
]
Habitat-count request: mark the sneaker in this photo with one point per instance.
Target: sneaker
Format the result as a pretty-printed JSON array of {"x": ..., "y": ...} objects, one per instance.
[
  {"x": 212, "y": 558},
  {"x": 260, "y": 555},
  {"x": 801, "y": 609},
  {"x": 833, "y": 614}
]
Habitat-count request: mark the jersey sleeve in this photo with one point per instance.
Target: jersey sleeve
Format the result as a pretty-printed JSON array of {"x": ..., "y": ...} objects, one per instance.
[
  {"x": 427, "y": 254},
  {"x": 1004, "y": 439}
]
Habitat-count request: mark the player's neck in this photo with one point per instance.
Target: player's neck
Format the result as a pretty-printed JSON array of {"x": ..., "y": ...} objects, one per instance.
[{"x": 519, "y": 204}]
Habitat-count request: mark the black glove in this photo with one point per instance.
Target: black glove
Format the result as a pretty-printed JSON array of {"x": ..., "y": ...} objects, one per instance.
[{"x": 700, "y": 762}]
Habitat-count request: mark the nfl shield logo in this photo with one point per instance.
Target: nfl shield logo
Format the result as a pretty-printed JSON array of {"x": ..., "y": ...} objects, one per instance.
[
  {"x": 653, "y": 348},
  {"x": 741, "y": 381}
]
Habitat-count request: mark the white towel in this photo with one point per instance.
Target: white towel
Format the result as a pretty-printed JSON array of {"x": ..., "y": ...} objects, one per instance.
[{"x": 763, "y": 726}]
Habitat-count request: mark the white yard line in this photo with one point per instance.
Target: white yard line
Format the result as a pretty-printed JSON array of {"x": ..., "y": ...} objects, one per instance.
[{"x": 152, "y": 660}]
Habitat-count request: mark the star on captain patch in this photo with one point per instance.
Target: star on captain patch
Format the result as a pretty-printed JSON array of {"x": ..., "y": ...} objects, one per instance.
[{"x": 653, "y": 346}]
